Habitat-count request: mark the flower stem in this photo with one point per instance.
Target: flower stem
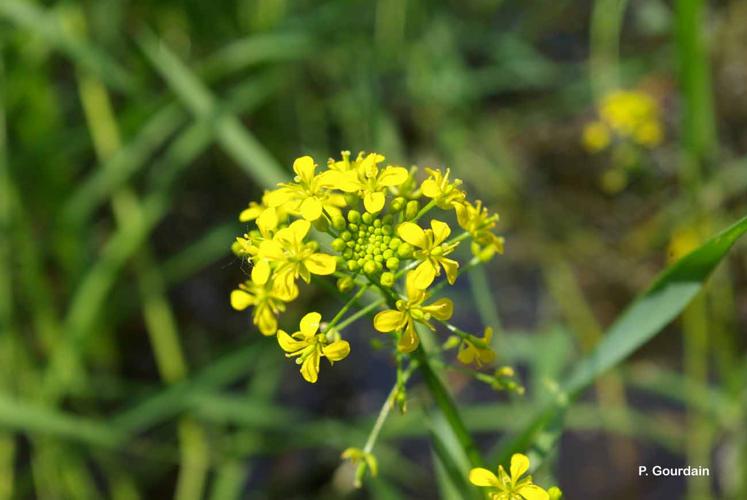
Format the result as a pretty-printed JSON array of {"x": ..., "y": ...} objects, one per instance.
[
  {"x": 424, "y": 210},
  {"x": 354, "y": 317},
  {"x": 347, "y": 306},
  {"x": 386, "y": 409},
  {"x": 444, "y": 402}
]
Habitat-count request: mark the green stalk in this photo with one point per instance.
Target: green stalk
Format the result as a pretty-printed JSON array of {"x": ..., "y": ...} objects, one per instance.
[
  {"x": 446, "y": 404},
  {"x": 159, "y": 317}
]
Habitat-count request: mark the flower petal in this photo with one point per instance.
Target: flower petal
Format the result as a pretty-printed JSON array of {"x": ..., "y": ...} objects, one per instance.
[
  {"x": 337, "y": 351},
  {"x": 310, "y": 324},
  {"x": 392, "y": 176},
  {"x": 430, "y": 188},
  {"x": 261, "y": 272},
  {"x": 412, "y": 234},
  {"x": 270, "y": 249},
  {"x": 280, "y": 196},
  {"x": 240, "y": 300},
  {"x": 423, "y": 275},
  {"x": 532, "y": 492},
  {"x": 467, "y": 353},
  {"x": 441, "y": 231},
  {"x": 519, "y": 465},
  {"x": 265, "y": 319},
  {"x": 374, "y": 202},
  {"x": 299, "y": 229},
  {"x": 310, "y": 367},
  {"x": 483, "y": 477},
  {"x": 344, "y": 181},
  {"x": 389, "y": 321},
  {"x": 268, "y": 220},
  {"x": 288, "y": 343},
  {"x": 304, "y": 167},
  {"x": 311, "y": 208},
  {"x": 440, "y": 309},
  {"x": 320, "y": 263},
  {"x": 451, "y": 267},
  {"x": 409, "y": 340},
  {"x": 250, "y": 213}
]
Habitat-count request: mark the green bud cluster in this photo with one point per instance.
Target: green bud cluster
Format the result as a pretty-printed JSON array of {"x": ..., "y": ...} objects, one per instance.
[{"x": 367, "y": 244}]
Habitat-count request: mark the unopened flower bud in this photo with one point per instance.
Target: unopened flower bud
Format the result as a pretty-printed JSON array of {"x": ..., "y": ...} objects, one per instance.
[{"x": 411, "y": 210}]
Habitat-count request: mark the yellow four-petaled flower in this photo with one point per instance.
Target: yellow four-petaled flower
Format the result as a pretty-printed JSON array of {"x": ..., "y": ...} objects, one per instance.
[
  {"x": 309, "y": 346},
  {"x": 509, "y": 486}
]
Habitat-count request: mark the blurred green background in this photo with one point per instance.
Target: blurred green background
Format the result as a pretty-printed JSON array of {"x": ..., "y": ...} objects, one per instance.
[{"x": 132, "y": 133}]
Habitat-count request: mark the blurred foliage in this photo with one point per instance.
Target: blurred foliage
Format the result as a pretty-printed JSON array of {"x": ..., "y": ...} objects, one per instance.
[{"x": 133, "y": 133}]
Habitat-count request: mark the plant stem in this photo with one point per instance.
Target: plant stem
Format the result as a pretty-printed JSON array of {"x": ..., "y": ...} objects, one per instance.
[{"x": 347, "y": 306}]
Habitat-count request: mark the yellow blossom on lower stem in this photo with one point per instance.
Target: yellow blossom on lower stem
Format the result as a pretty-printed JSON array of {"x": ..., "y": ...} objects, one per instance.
[
  {"x": 431, "y": 251},
  {"x": 412, "y": 311},
  {"x": 479, "y": 354},
  {"x": 267, "y": 304},
  {"x": 309, "y": 347},
  {"x": 509, "y": 486}
]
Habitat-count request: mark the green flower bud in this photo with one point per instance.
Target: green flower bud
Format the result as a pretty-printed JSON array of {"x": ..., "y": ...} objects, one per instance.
[
  {"x": 367, "y": 218},
  {"x": 338, "y": 222},
  {"x": 347, "y": 254},
  {"x": 345, "y": 284},
  {"x": 346, "y": 236},
  {"x": 353, "y": 265},
  {"x": 338, "y": 244},
  {"x": 388, "y": 253},
  {"x": 387, "y": 279},
  {"x": 350, "y": 244},
  {"x": 397, "y": 204},
  {"x": 353, "y": 227},
  {"x": 386, "y": 229},
  {"x": 404, "y": 251},
  {"x": 412, "y": 209},
  {"x": 369, "y": 267},
  {"x": 394, "y": 243},
  {"x": 378, "y": 257},
  {"x": 377, "y": 223},
  {"x": 354, "y": 216},
  {"x": 313, "y": 245},
  {"x": 392, "y": 263}
]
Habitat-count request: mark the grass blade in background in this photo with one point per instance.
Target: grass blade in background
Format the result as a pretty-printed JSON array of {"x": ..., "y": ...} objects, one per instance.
[
  {"x": 670, "y": 293},
  {"x": 249, "y": 153}
]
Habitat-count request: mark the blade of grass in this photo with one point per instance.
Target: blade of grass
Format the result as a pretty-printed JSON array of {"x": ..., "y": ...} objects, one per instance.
[
  {"x": 249, "y": 153},
  {"x": 667, "y": 297},
  {"x": 45, "y": 24}
]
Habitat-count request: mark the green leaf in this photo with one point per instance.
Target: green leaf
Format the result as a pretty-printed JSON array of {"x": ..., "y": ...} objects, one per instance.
[
  {"x": 248, "y": 152},
  {"x": 670, "y": 293}
]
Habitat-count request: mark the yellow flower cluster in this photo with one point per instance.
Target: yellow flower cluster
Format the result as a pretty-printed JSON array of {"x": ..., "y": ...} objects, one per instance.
[
  {"x": 361, "y": 220},
  {"x": 510, "y": 485},
  {"x": 627, "y": 116}
]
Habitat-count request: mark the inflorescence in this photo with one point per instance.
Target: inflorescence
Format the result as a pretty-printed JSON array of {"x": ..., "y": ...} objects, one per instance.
[{"x": 363, "y": 222}]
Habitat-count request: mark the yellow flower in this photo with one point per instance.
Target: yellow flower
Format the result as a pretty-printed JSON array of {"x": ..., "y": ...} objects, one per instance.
[
  {"x": 412, "y": 311},
  {"x": 431, "y": 251},
  {"x": 267, "y": 218},
  {"x": 633, "y": 114},
  {"x": 309, "y": 346},
  {"x": 291, "y": 258},
  {"x": 438, "y": 187},
  {"x": 478, "y": 222},
  {"x": 309, "y": 195},
  {"x": 267, "y": 305},
  {"x": 509, "y": 486},
  {"x": 596, "y": 136},
  {"x": 479, "y": 354},
  {"x": 367, "y": 180}
]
